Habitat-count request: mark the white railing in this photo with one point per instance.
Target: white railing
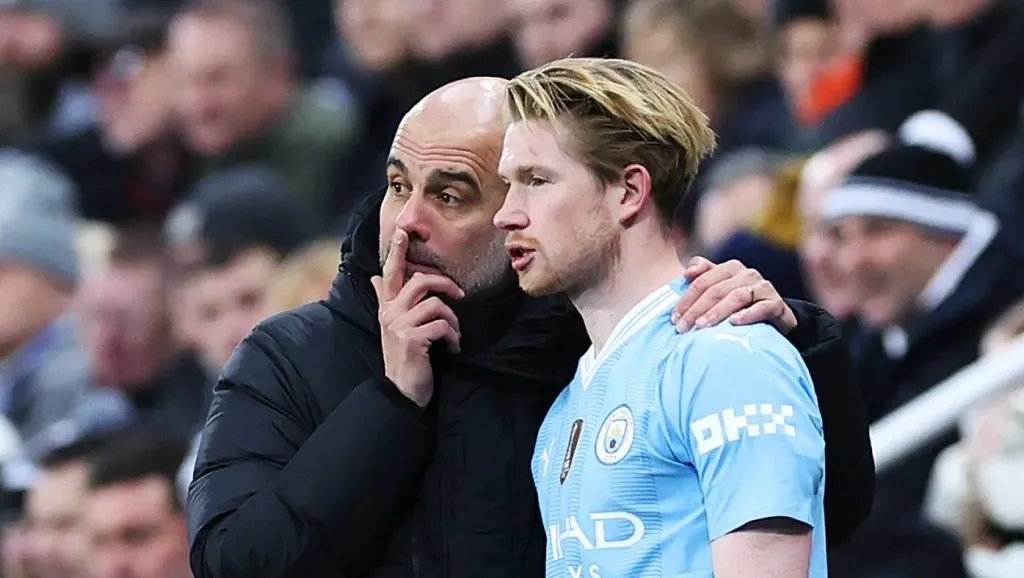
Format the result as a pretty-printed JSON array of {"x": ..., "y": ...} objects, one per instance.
[{"x": 900, "y": 433}]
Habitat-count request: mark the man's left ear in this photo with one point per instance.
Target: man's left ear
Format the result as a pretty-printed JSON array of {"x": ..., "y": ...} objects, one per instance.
[{"x": 636, "y": 191}]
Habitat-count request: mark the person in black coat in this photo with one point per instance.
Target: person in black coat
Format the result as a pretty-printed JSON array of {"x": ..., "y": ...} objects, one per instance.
[{"x": 336, "y": 448}]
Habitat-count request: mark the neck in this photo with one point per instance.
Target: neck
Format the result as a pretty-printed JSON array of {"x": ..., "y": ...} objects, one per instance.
[{"x": 646, "y": 262}]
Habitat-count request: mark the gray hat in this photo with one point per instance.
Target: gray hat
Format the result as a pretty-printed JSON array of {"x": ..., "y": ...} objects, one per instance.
[
  {"x": 42, "y": 242},
  {"x": 37, "y": 220},
  {"x": 29, "y": 182}
]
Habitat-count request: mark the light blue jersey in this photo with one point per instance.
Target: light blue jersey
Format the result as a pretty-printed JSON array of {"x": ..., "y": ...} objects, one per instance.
[{"x": 664, "y": 442}]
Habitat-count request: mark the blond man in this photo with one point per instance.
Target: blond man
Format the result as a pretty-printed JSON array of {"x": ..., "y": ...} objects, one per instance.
[{"x": 694, "y": 454}]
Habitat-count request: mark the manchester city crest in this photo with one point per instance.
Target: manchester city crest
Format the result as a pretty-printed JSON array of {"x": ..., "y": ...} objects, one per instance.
[{"x": 615, "y": 436}]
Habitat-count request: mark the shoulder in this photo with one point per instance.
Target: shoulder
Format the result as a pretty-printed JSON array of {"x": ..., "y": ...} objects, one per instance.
[
  {"x": 731, "y": 343},
  {"x": 300, "y": 346},
  {"x": 729, "y": 362}
]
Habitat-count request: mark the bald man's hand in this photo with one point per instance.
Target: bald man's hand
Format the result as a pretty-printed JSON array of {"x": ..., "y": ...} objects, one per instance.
[{"x": 412, "y": 318}]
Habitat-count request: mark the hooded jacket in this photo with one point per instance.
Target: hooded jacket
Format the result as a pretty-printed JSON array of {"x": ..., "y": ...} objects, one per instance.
[{"x": 314, "y": 464}]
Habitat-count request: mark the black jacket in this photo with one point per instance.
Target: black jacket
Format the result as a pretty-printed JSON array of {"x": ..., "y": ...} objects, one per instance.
[{"x": 313, "y": 464}]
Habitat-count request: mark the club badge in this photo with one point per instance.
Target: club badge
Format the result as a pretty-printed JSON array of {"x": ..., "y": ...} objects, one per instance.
[{"x": 615, "y": 437}]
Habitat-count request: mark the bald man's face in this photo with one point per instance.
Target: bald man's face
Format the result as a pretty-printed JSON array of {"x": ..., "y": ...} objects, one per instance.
[{"x": 443, "y": 190}]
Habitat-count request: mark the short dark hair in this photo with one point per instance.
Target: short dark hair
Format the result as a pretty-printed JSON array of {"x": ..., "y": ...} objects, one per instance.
[
  {"x": 137, "y": 453},
  {"x": 81, "y": 449},
  {"x": 136, "y": 245}
]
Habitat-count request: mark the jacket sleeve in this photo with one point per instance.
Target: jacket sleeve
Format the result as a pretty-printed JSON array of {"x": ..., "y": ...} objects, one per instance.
[
  {"x": 849, "y": 461},
  {"x": 275, "y": 495}
]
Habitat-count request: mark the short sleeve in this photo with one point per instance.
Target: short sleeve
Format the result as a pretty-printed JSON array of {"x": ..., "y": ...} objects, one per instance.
[{"x": 743, "y": 412}]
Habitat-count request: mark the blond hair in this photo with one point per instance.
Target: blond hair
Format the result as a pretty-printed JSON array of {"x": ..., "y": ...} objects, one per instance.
[
  {"x": 615, "y": 113},
  {"x": 304, "y": 277}
]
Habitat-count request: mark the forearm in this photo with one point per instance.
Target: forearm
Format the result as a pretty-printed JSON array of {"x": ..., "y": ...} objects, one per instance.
[{"x": 770, "y": 548}]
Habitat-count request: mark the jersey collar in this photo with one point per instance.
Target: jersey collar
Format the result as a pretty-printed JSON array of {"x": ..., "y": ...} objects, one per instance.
[{"x": 640, "y": 315}]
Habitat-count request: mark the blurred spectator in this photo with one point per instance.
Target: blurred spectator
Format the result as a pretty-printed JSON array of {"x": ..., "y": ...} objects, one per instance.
[
  {"x": 819, "y": 244},
  {"x": 930, "y": 273},
  {"x": 814, "y": 63},
  {"x": 975, "y": 487},
  {"x": 239, "y": 99},
  {"x": 56, "y": 545},
  {"x": 442, "y": 27},
  {"x": 130, "y": 166},
  {"x": 128, "y": 329},
  {"x": 132, "y": 518},
  {"x": 768, "y": 242},
  {"x": 546, "y": 30},
  {"x": 304, "y": 277},
  {"x": 43, "y": 373},
  {"x": 228, "y": 241},
  {"x": 723, "y": 61},
  {"x": 738, "y": 188},
  {"x": 895, "y": 77}
]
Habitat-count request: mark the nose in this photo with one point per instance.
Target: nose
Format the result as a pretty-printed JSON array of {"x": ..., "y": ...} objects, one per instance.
[
  {"x": 511, "y": 216},
  {"x": 413, "y": 218}
]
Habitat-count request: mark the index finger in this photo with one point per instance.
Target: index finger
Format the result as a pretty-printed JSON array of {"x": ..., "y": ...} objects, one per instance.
[{"x": 394, "y": 266}]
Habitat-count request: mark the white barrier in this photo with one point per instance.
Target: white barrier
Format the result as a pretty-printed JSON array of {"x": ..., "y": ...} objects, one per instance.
[{"x": 901, "y": 432}]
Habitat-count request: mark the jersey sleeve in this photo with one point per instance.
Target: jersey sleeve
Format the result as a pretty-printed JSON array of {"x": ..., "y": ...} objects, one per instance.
[{"x": 740, "y": 407}]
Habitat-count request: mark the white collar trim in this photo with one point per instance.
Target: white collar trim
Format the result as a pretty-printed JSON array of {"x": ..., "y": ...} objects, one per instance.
[{"x": 640, "y": 315}]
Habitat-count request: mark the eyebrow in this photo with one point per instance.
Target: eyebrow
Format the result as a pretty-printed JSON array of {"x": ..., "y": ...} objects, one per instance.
[
  {"x": 441, "y": 177},
  {"x": 521, "y": 172},
  {"x": 396, "y": 163}
]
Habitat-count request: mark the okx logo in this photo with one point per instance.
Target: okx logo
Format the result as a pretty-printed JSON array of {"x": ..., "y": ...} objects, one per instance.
[{"x": 718, "y": 429}]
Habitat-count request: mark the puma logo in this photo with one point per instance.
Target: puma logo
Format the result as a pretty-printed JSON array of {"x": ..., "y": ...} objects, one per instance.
[{"x": 744, "y": 341}]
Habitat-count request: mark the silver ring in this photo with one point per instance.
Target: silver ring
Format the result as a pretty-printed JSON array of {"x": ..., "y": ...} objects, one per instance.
[{"x": 750, "y": 289}]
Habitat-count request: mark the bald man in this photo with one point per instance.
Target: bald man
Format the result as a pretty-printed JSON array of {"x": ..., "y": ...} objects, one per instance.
[{"x": 388, "y": 430}]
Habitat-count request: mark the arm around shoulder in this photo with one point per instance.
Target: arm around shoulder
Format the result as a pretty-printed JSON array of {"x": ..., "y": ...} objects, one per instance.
[
  {"x": 849, "y": 461},
  {"x": 277, "y": 493}
]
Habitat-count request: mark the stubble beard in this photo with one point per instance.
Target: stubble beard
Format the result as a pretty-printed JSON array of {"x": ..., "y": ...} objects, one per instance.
[{"x": 574, "y": 269}]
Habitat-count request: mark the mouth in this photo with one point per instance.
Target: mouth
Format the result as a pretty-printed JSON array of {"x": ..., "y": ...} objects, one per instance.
[
  {"x": 411, "y": 267},
  {"x": 520, "y": 255}
]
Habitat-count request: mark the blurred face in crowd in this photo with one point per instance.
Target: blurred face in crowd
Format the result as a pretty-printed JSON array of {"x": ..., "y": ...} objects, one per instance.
[
  {"x": 134, "y": 93},
  {"x": 441, "y": 27},
  {"x": 28, "y": 41},
  {"x": 731, "y": 208},
  {"x": 227, "y": 89},
  {"x": 229, "y": 301},
  {"x": 376, "y": 32},
  {"x": 55, "y": 544},
  {"x": 443, "y": 188},
  {"x": 820, "y": 243},
  {"x": 548, "y": 189},
  {"x": 29, "y": 300},
  {"x": 125, "y": 323},
  {"x": 546, "y": 30},
  {"x": 809, "y": 46},
  {"x": 660, "y": 45},
  {"x": 890, "y": 263},
  {"x": 135, "y": 531}
]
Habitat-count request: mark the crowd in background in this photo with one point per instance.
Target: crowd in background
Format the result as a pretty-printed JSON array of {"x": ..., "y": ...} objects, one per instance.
[{"x": 172, "y": 173}]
